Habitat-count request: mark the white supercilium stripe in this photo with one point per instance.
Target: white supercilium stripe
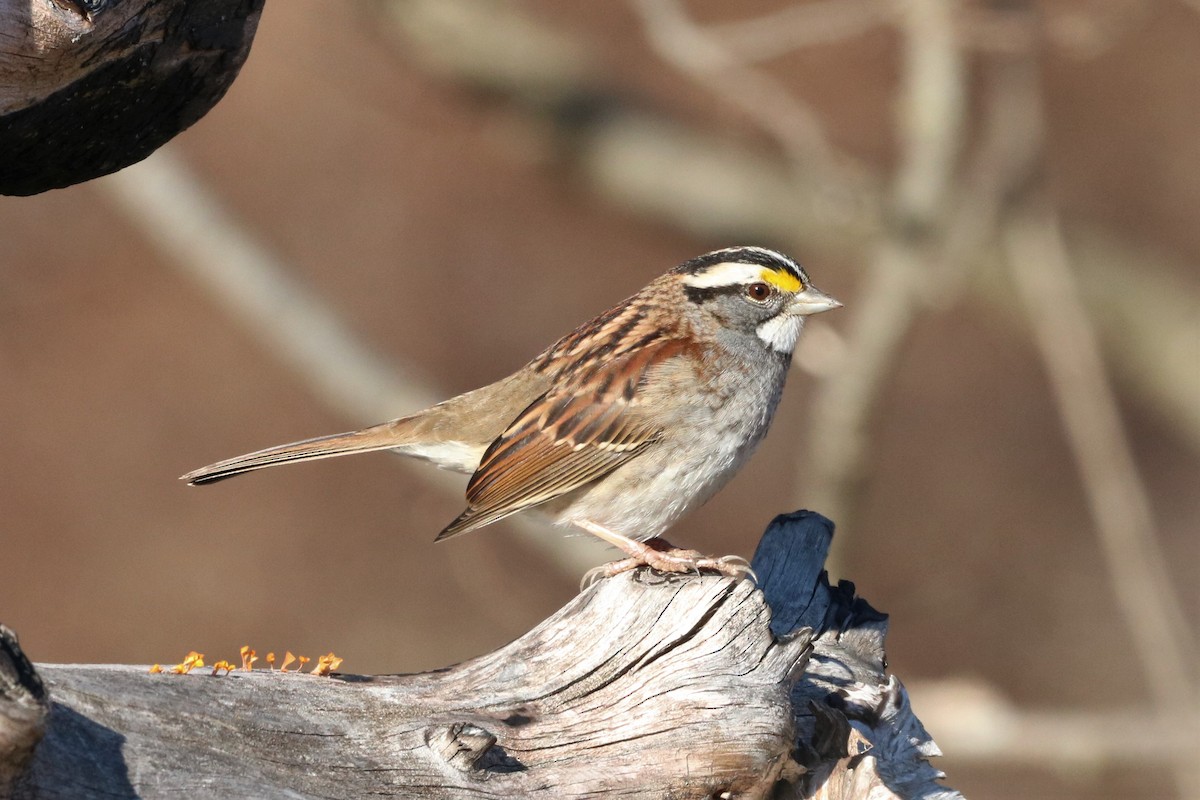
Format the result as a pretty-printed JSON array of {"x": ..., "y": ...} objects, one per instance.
[{"x": 730, "y": 273}]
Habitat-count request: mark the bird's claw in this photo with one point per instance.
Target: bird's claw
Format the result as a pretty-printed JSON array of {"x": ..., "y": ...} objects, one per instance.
[{"x": 673, "y": 561}]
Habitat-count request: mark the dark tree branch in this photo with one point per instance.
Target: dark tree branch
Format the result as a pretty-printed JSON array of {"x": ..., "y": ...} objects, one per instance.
[{"x": 90, "y": 86}]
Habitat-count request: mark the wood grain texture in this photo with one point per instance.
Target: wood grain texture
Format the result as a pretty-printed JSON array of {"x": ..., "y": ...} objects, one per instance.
[
  {"x": 23, "y": 707},
  {"x": 642, "y": 686},
  {"x": 90, "y": 86}
]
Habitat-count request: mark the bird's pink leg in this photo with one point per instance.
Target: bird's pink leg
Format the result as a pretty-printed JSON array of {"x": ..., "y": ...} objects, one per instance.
[{"x": 660, "y": 555}]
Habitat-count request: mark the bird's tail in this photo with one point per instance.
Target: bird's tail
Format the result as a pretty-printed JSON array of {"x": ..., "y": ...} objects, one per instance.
[{"x": 379, "y": 437}]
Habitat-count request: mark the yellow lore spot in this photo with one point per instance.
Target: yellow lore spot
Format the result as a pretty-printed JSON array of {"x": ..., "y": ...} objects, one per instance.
[{"x": 782, "y": 280}]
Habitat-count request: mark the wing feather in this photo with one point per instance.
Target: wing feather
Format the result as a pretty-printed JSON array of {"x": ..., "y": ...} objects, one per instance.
[{"x": 573, "y": 435}]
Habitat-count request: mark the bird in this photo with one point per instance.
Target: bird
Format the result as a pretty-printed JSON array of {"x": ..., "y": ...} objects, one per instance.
[{"x": 620, "y": 427}]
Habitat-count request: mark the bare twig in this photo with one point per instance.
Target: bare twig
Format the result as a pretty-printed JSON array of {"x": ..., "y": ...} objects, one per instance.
[
  {"x": 843, "y": 404},
  {"x": 931, "y": 111},
  {"x": 1003, "y": 160},
  {"x": 1044, "y": 279},
  {"x": 1161, "y": 633},
  {"x": 1119, "y": 504},
  {"x": 173, "y": 209},
  {"x": 797, "y": 128},
  {"x": 801, "y": 25},
  {"x": 1150, "y": 326}
]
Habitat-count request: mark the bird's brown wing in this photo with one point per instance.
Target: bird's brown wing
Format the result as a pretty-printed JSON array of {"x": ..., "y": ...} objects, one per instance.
[{"x": 574, "y": 434}]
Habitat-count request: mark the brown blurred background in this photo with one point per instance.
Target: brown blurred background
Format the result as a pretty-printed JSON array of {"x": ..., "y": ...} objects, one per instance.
[{"x": 461, "y": 183}]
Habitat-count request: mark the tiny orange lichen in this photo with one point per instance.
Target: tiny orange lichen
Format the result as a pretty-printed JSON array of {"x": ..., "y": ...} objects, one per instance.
[
  {"x": 190, "y": 662},
  {"x": 303, "y": 660},
  {"x": 156, "y": 669},
  {"x": 223, "y": 665},
  {"x": 271, "y": 660},
  {"x": 287, "y": 659},
  {"x": 248, "y": 657},
  {"x": 326, "y": 664}
]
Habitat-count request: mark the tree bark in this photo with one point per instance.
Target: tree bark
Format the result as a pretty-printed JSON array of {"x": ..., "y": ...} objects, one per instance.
[
  {"x": 90, "y": 86},
  {"x": 644, "y": 685}
]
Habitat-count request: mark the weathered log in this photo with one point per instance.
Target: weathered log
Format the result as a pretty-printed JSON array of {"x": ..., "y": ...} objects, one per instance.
[
  {"x": 642, "y": 686},
  {"x": 23, "y": 707},
  {"x": 90, "y": 86}
]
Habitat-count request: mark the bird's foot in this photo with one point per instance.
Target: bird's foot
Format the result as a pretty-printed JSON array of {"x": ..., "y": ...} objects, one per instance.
[{"x": 659, "y": 554}]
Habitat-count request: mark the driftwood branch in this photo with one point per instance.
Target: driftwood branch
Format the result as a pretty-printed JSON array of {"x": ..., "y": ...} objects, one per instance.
[
  {"x": 23, "y": 707},
  {"x": 90, "y": 86},
  {"x": 642, "y": 686}
]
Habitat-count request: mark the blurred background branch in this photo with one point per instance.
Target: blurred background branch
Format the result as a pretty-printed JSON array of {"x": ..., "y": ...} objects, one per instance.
[
  {"x": 170, "y": 206},
  {"x": 709, "y": 61},
  {"x": 822, "y": 22},
  {"x": 1120, "y": 507},
  {"x": 719, "y": 186},
  {"x": 898, "y": 282}
]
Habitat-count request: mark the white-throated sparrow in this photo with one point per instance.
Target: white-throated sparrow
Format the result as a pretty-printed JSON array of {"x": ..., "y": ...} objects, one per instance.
[{"x": 624, "y": 424}]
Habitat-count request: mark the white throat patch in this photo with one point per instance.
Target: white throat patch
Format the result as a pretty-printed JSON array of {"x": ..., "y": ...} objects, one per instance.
[{"x": 781, "y": 332}]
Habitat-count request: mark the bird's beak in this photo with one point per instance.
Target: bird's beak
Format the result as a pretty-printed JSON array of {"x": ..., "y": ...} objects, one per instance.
[{"x": 812, "y": 301}]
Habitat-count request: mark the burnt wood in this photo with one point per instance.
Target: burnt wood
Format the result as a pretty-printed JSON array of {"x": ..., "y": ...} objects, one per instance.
[{"x": 90, "y": 86}]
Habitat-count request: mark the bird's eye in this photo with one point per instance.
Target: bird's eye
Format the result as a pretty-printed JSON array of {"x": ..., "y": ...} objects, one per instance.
[{"x": 758, "y": 292}]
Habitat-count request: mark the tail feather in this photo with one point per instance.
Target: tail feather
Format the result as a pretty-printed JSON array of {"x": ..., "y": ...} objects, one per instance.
[{"x": 378, "y": 437}]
